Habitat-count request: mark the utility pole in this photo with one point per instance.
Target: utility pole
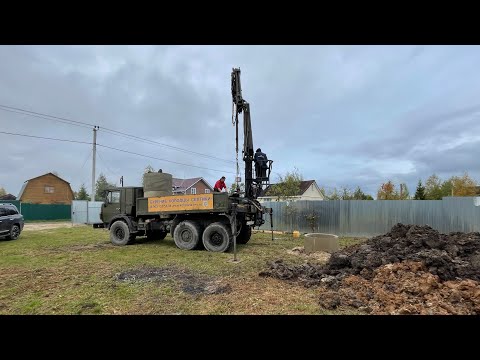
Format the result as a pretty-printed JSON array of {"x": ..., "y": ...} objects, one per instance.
[{"x": 95, "y": 128}]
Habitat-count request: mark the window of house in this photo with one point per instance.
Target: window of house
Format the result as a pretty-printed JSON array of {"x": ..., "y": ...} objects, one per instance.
[
  {"x": 193, "y": 191},
  {"x": 207, "y": 191},
  {"x": 49, "y": 189}
]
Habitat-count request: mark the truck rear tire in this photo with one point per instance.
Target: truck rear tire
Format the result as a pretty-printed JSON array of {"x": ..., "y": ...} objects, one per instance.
[
  {"x": 245, "y": 234},
  {"x": 120, "y": 233},
  {"x": 187, "y": 235},
  {"x": 217, "y": 237}
]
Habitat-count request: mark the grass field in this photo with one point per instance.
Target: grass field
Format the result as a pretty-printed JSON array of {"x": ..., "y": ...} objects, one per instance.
[{"x": 76, "y": 270}]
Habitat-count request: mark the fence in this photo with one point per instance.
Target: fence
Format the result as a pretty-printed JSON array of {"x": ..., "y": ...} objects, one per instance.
[
  {"x": 374, "y": 217},
  {"x": 14, "y": 202},
  {"x": 86, "y": 212},
  {"x": 41, "y": 211},
  {"x": 45, "y": 211}
]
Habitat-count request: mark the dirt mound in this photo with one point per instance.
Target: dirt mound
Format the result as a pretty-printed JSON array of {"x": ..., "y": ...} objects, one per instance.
[
  {"x": 318, "y": 255},
  {"x": 453, "y": 256},
  {"x": 408, "y": 257},
  {"x": 189, "y": 282},
  {"x": 404, "y": 288}
]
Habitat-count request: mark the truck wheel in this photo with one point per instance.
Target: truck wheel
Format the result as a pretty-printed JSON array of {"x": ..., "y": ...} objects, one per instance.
[
  {"x": 175, "y": 222},
  {"x": 217, "y": 237},
  {"x": 156, "y": 235},
  {"x": 120, "y": 233},
  {"x": 187, "y": 235},
  {"x": 245, "y": 234}
]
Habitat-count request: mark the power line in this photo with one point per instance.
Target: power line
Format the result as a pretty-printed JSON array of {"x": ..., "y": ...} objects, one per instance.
[
  {"x": 47, "y": 138},
  {"x": 105, "y": 165},
  {"x": 44, "y": 116},
  {"x": 153, "y": 157},
  {"x": 113, "y": 132},
  {"x": 88, "y": 157},
  {"x": 112, "y": 148},
  {"x": 152, "y": 142}
]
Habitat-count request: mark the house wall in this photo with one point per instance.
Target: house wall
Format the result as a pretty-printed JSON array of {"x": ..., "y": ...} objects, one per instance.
[
  {"x": 200, "y": 186},
  {"x": 312, "y": 193},
  {"x": 34, "y": 192}
]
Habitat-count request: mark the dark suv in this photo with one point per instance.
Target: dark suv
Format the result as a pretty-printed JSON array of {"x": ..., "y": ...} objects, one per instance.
[{"x": 11, "y": 221}]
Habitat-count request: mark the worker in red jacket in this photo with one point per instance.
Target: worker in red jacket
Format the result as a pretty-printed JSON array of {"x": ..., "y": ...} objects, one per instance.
[{"x": 220, "y": 184}]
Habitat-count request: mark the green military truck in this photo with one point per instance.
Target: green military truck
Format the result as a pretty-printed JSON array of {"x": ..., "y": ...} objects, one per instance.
[
  {"x": 194, "y": 221},
  {"x": 208, "y": 220}
]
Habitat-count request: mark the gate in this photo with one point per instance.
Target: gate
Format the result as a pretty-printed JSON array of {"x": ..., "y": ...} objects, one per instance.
[{"x": 86, "y": 212}]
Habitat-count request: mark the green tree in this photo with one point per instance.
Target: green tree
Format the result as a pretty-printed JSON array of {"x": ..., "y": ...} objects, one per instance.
[
  {"x": 2, "y": 191},
  {"x": 312, "y": 218},
  {"x": 433, "y": 188},
  {"x": 148, "y": 169},
  {"x": 463, "y": 185},
  {"x": 387, "y": 191},
  {"x": 420, "y": 192},
  {"x": 346, "y": 194},
  {"x": 446, "y": 188},
  {"x": 405, "y": 194},
  {"x": 100, "y": 186},
  {"x": 334, "y": 195},
  {"x": 288, "y": 185},
  {"x": 358, "y": 194},
  {"x": 82, "y": 194}
]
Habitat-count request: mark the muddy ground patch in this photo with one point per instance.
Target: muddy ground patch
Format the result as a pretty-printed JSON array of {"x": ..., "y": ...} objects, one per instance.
[{"x": 188, "y": 281}]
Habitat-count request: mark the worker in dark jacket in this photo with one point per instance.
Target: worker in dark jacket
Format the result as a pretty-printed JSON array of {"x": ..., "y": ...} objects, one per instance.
[
  {"x": 261, "y": 161},
  {"x": 220, "y": 184}
]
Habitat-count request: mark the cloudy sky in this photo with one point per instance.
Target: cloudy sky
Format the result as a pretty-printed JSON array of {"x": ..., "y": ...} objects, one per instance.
[{"x": 342, "y": 115}]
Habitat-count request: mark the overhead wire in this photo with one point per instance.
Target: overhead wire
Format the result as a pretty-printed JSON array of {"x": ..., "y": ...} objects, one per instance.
[
  {"x": 113, "y": 148},
  {"x": 170, "y": 161},
  {"x": 44, "y": 116},
  {"x": 152, "y": 142},
  {"x": 86, "y": 159},
  {"x": 105, "y": 165},
  {"x": 46, "y": 138},
  {"x": 108, "y": 130}
]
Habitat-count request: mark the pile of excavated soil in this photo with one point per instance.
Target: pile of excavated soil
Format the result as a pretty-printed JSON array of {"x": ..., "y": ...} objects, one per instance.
[
  {"x": 404, "y": 288},
  {"x": 411, "y": 269},
  {"x": 320, "y": 256}
]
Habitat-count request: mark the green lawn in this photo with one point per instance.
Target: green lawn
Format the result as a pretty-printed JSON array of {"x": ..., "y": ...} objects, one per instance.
[{"x": 76, "y": 270}]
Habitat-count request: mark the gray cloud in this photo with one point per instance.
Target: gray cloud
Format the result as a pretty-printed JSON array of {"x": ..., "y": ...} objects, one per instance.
[{"x": 344, "y": 115}]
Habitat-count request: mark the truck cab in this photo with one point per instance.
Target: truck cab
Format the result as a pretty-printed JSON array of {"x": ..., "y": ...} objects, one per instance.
[{"x": 120, "y": 201}]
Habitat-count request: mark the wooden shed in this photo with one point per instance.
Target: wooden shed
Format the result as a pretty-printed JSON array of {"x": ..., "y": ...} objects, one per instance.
[{"x": 46, "y": 189}]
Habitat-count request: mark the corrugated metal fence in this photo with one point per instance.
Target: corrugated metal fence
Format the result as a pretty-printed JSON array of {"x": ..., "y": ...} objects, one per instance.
[
  {"x": 374, "y": 217},
  {"x": 45, "y": 211},
  {"x": 14, "y": 202},
  {"x": 41, "y": 211}
]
